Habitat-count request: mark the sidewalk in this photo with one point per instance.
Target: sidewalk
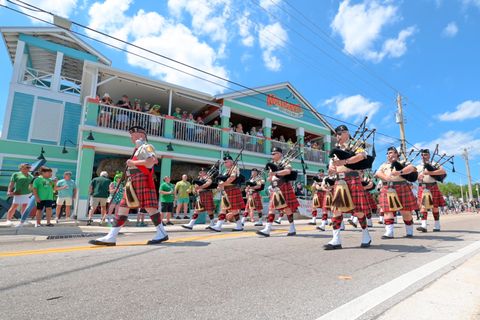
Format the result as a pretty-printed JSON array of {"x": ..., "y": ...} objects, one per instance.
[{"x": 454, "y": 296}]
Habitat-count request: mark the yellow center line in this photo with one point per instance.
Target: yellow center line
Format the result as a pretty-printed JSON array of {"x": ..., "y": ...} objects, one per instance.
[{"x": 139, "y": 243}]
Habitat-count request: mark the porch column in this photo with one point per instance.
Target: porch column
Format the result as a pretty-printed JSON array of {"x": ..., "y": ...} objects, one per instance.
[
  {"x": 225, "y": 119},
  {"x": 56, "y": 81},
  {"x": 84, "y": 176},
  {"x": 267, "y": 132},
  {"x": 327, "y": 146}
]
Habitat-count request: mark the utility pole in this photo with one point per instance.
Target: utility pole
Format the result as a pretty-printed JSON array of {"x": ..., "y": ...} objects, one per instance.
[
  {"x": 461, "y": 188},
  {"x": 469, "y": 177},
  {"x": 400, "y": 121}
]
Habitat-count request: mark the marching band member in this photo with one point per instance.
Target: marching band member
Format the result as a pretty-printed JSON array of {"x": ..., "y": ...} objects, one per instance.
[
  {"x": 396, "y": 194},
  {"x": 319, "y": 195},
  {"x": 426, "y": 181},
  {"x": 348, "y": 188},
  {"x": 369, "y": 185},
  {"x": 282, "y": 189},
  {"x": 204, "y": 201},
  {"x": 327, "y": 187},
  {"x": 140, "y": 179},
  {"x": 254, "y": 199},
  {"x": 232, "y": 200}
]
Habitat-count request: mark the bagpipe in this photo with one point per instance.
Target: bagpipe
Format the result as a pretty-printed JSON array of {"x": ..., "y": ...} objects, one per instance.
[
  {"x": 433, "y": 167},
  {"x": 358, "y": 140},
  {"x": 291, "y": 154},
  {"x": 398, "y": 166},
  {"x": 240, "y": 177},
  {"x": 212, "y": 174}
]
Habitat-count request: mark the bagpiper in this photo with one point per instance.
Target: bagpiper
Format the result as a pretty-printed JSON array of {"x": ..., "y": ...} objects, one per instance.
[
  {"x": 349, "y": 195},
  {"x": 255, "y": 184},
  {"x": 318, "y": 196},
  {"x": 140, "y": 190},
  {"x": 429, "y": 195},
  {"x": 232, "y": 200},
  {"x": 396, "y": 193},
  {"x": 283, "y": 197},
  {"x": 204, "y": 198}
]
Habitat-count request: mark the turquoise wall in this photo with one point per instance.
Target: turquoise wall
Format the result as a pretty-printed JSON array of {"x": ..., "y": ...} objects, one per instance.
[
  {"x": 71, "y": 121},
  {"x": 20, "y": 118}
]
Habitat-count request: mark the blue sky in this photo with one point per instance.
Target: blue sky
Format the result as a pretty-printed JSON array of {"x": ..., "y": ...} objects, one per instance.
[{"x": 348, "y": 58}]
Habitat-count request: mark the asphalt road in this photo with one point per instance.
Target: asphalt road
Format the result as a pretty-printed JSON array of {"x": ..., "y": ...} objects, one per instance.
[{"x": 200, "y": 275}]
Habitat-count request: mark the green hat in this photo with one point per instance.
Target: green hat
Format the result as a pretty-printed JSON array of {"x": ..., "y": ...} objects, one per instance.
[{"x": 118, "y": 175}]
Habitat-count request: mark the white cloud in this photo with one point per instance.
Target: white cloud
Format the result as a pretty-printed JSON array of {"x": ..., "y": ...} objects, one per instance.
[
  {"x": 360, "y": 27},
  {"x": 472, "y": 2},
  {"x": 356, "y": 106},
  {"x": 450, "y": 30},
  {"x": 453, "y": 143},
  {"x": 61, "y": 8},
  {"x": 272, "y": 37},
  {"x": 269, "y": 4},
  {"x": 3, "y": 2},
  {"x": 466, "y": 110},
  {"x": 154, "y": 32},
  {"x": 245, "y": 26}
]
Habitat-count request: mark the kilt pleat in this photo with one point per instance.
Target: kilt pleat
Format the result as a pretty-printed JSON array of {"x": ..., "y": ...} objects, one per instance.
[
  {"x": 257, "y": 199},
  {"x": 235, "y": 197},
  {"x": 405, "y": 195},
  {"x": 326, "y": 207},
  {"x": 147, "y": 197},
  {"x": 371, "y": 201},
  {"x": 438, "y": 200},
  {"x": 357, "y": 193},
  {"x": 321, "y": 196},
  {"x": 206, "y": 198},
  {"x": 290, "y": 197}
]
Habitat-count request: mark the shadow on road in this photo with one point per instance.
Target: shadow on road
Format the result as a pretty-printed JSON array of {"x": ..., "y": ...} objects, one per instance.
[
  {"x": 395, "y": 248},
  {"x": 186, "y": 244}
]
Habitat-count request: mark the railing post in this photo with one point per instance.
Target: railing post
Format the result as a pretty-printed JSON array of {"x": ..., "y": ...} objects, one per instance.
[
  {"x": 225, "y": 118},
  {"x": 91, "y": 115},
  {"x": 327, "y": 146},
  {"x": 169, "y": 127},
  {"x": 267, "y": 132}
]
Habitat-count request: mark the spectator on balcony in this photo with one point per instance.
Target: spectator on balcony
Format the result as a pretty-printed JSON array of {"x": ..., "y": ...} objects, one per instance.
[
  {"x": 137, "y": 106},
  {"x": 281, "y": 139},
  {"x": 315, "y": 146},
  {"x": 122, "y": 115},
  {"x": 190, "y": 127},
  {"x": 155, "y": 120},
  {"x": 253, "y": 139},
  {"x": 308, "y": 144},
  {"x": 178, "y": 113},
  {"x": 290, "y": 142},
  {"x": 147, "y": 107},
  {"x": 216, "y": 124},
  {"x": 184, "y": 116},
  {"x": 106, "y": 111},
  {"x": 199, "y": 131}
]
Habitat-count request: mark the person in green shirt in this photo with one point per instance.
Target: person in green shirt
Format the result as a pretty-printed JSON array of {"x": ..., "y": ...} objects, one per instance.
[
  {"x": 182, "y": 191},
  {"x": 99, "y": 190},
  {"x": 178, "y": 113},
  {"x": 43, "y": 191},
  {"x": 167, "y": 190},
  {"x": 19, "y": 189}
]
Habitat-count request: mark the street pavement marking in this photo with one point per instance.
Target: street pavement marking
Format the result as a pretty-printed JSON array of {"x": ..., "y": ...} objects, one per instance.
[
  {"x": 360, "y": 305},
  {"x": 142, "y": 243}
]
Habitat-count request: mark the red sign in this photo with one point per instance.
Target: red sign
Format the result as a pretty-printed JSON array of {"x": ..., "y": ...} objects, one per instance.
[{"x": 295, "y": 110}]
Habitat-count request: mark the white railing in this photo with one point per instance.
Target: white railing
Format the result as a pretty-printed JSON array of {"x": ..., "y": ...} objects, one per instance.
[
  {"x": 282, "y": 145},
  {"x": 192, "y": 132},
  {"x": 121, "y": 119},
  {"x": 70, "y": 85},
  {"x": 249, "y": 143},
  {"x": 314, "y": 155},
  {"x": 37, "y": 78}
]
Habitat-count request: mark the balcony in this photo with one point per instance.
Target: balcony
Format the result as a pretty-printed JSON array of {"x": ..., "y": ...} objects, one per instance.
[
  {"x": 43, "y": 79},
  {"x": 247, "y": 142},
  {"x": 192, "y": 132},
  {"x": 314, "y": 155},
  {"x": 282, "y": 145}
]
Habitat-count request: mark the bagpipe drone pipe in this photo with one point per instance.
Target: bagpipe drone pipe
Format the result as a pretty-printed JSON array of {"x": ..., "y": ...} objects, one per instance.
[{"x": 410, "y": 177}]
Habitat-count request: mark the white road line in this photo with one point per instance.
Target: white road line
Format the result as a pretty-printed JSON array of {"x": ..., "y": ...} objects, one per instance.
[{"x": 360, "y": 305}]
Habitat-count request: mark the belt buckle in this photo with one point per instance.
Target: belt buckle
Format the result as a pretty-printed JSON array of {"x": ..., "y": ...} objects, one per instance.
[{"x": 341, "y": 175}]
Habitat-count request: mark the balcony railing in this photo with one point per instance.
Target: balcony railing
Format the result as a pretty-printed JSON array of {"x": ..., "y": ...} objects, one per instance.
[
  {"x": 314, "y": 155},
  {"x": 121, "y": 119},
  {"x": 70, "y": 85},
  {"x": 37, "y": 78},
  {"x": 282, "y": 145},
  {"x": 192, "y": 132},
  {"x": 249, "y": 143}
]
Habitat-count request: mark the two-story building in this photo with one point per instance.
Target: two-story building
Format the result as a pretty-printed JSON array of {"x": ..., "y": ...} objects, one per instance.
[{"x": 55, "y": 105}]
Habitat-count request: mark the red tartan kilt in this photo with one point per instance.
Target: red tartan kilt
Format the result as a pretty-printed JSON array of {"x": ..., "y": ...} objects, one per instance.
[
  {"x": 235, "y": 197},
  {"x": 147, "y": 197},
  {"x": 371, "y": 201},
  {"x": 405, "y": 195},
  {"x": 438, "y": 200},
  {"x": 326, "y": 208},
  {"x": 289, "y": 195},
  {"x": 357, "y": 192},
  {"x": 321, "y": 197},
  {"x": 206, "y": 198},
  {"x": 257, "y": 199}
]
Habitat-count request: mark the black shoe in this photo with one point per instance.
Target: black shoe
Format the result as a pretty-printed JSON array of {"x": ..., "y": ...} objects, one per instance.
[
  {"x": 51, "y": 225},
  {"x": 213, "y": 229},
  {"x": 187, "y": 227},
  {"x": 312, "y": 223},
  {"x": 320, "y": 228},
  {"x": 186, "y": 218},
  {"x": 278, "y": 221},
  {"x": 89, "y": 222},
  {"x": 409, "y": 236},
  {"x": 170, "y": 223},
  {"x": 237, "y": 230},
  {"x": 380, "y": 222},
  {"x": 436, "y": 230},
  {"x": 291, "y": 234},
  {"x": 260, "y": 233},
  {"x": 352, "y": 223},
  {"x": 422, "y": 229},
  {"x": 243, "y": 224},
  {"x": 163, "y": 224},
  {"x": 366, "y": 245},
  {"x": 101, "y": 243},
  {"x": 386, "y": 237},
  {"x": 258, "y": 224},
  {"x": 150, "y": 242},
  {"x": 177, "y": 217},
  {"x": 329, "y": 246}
]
